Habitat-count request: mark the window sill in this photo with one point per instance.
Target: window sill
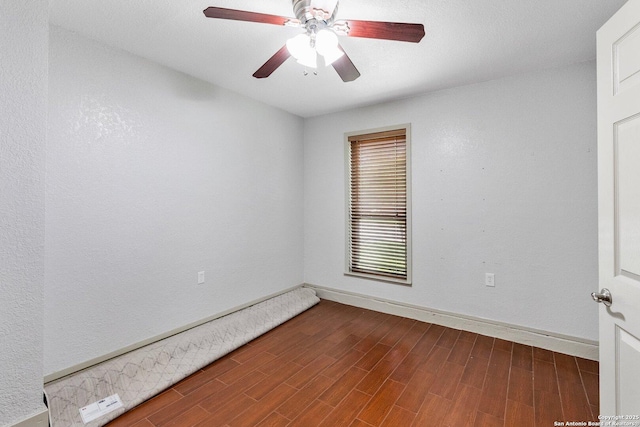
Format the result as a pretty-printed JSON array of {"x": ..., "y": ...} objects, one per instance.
[{"x": 406, "y": 282}]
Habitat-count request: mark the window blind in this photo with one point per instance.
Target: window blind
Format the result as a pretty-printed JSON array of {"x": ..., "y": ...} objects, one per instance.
[{"x": 378, "y": 204}]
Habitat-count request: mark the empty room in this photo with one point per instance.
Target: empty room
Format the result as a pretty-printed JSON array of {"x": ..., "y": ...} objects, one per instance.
[{"x": 319, "y": 213}]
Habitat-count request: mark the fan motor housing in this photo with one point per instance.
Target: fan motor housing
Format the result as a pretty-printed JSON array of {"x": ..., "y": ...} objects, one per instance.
[{"x": 315, "y": 10}]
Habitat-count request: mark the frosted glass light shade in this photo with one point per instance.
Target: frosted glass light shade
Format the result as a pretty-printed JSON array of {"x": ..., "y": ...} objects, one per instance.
[
  {"x": 327, "y": 46},
  {"x": 300, "y": 48},
  {"x": 325, "y": 41},
  {"x": 332, "y": 55},
  {"x": 310, "y": 59},
  {"x": 299, "y": 45}
]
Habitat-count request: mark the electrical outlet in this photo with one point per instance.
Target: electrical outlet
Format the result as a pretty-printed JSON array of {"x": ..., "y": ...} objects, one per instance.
[
  {"x": 200, "y": 277},
  {"x": 489, "y": 279}
]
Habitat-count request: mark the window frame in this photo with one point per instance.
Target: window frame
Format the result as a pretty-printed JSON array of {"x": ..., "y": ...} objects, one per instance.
[{"x": 347, "y": 150}]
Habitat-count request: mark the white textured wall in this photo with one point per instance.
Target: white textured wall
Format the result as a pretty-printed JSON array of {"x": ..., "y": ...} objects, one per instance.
[
  {"x": 153, "y": 176},
  {"x": 23, "y": 108},
  {"x": 504, "y": 181}
]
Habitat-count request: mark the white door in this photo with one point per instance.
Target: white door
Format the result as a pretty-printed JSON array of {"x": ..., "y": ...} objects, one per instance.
[{"x": 618, "y": 62}]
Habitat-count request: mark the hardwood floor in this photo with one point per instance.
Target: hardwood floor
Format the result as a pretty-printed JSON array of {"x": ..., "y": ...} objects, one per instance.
[{"x": 337, "y": 365}]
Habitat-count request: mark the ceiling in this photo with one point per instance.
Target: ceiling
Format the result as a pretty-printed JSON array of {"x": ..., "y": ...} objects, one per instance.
[{"x": 467, "y": 41}]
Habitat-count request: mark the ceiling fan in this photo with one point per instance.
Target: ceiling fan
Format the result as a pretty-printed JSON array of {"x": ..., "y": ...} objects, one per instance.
[{"x": 318, "y": 19}]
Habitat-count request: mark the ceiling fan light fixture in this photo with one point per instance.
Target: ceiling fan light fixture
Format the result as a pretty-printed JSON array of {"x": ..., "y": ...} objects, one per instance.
[
  {"x": 300, "y": 48},
  {"x": 327, "y": 46},
  {"x": 310, "y": 60},
  {"x": 318, "y": 19}
]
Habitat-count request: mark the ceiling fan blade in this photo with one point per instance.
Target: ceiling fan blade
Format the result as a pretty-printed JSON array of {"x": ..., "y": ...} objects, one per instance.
[
  {"x": 383, "y": 30},
  {"x": 345, "y": 68},
  {"x": 242, "y": 15},
  {"x": 272, "y": 63}
]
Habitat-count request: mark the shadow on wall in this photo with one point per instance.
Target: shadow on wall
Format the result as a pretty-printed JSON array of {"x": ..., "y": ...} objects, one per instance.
[{"x": 193, "y": 89}]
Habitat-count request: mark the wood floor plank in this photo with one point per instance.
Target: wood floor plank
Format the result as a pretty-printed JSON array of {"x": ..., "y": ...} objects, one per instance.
[
  {"x": 397, "y": 354},
  {"x": 592, "y": 385},
  {"x": 366, "y": 344},
  {"x": 460, "y": 352},
  {"x": 303, "y": 398},
  {"x": 261, "y": 409},
  {"x": 467, "y": 336},
  {"x": 521, "y": 386},
  {"x": 347, "y": 410},
  {"x": 342, "y": 365},
  {"x": 482, "y": 347},
  {"x": 223, "y": 398},
  {"x": 173, "y": 410},
  {"x": 433, "y": 411},
  {"x": 341, "y": 333},
  {"x": 373, "y": 356},
  {"x": 283, "y": 372},
  {"x": 448, "y": 338},
  {"x": 434, "y": 361},
  {"x": 496, "y": 384},
  {"x": 398, "y": 417},
  {"x": 343, "y": 346},
  {"x": 409, "y": 341},
  {"x": 313, "y": 352},
  {"x": 548, "y": 408},
  {"x": 273, "y": 420},
  {"x": 385, "y": 328},
  {"x": 295, "y": 339},
  {"x": 416, "y": 390},
  {"x": 588, "y": 365},
  {"x": 363, "y": 326},
  {"x": 312, "y": 415},
  {"x": 500, "y": 344},
  {"x": 575, "y": 405},
  {"x": 542, "y": 354},
  {"x": 399, "y": 330},
  {"x": 302, "y": 377},
  {"x": 188, "y": 418},
  {"x": 544, "y": 376},
  {"x": 407, "y": 368},
  {"x": 463, "y": 408},
  {"x": 486, "y": 420},
  {"x": 475, "y": 372},
  {"x": 377, "y": 376},
  {"x": 246, "y": 368},
  {"x": 224, "y": 413},
  {"x": 343, "y": 386},
  {"x": 429, "y": 339},
  {"x": 518, "y": 414},
  {"x": 522, "y": 356},
  {"x": 567, "y": 368},
  {"x": 446, "y": 381},
  {"x": 279, "y": 366},
  {"x": 381, "y": 403}
]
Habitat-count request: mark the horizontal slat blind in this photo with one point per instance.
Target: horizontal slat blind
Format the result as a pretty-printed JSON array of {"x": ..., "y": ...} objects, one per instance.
[{"x": 378, "y": 204}]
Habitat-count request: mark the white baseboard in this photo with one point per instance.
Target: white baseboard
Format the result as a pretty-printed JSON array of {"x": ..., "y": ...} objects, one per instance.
[
  {"x": 41, "y": 419},
  {"x": 579, "y": 347}
]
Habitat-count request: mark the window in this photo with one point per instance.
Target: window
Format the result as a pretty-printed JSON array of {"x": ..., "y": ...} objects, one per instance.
[{"x": 378, "y": 204}]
